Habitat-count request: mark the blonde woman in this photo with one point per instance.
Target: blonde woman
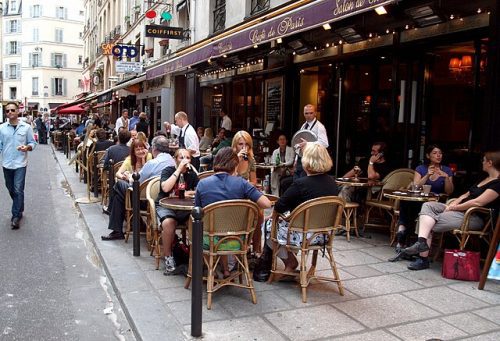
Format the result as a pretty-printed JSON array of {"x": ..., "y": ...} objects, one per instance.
[
  {"x": 207, "y": 139},
  {"x": 243, "y": 146}
]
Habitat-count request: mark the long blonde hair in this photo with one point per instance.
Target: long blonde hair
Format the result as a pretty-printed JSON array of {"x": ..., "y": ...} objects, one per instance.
[{"x": 248, "y": 139}]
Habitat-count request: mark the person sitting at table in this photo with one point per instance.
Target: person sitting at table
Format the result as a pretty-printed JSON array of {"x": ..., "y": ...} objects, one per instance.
[
  {"x": 284, "y": 155},
  {"x": 169, "y": 219},
  {"x": 218, "y": 143},
  {"x": 439, "y": 177},
  {"x": 207, "y": 139},
  {"x": 142, "y": 125},
  {"x": 200, "y": 131},
  {"x": 102, "y": 142},
  {"x": 243, "y": 145},
  {"x": 374, "y": 168},
  {"x": 439, "y": 217},
  {"x": 225, "y": 185},
  {"x": 316, "y": 162},
  {"x": 139, "y": 161}
]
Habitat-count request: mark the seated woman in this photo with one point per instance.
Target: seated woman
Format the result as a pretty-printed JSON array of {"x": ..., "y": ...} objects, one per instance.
[
  {"x": 169, "y": 219},
  {"x": 133, "y": 163},
  {"x": 316, "y": 163},
  {"x": 439, "y": 217},
  {"x": 284, "y": 156},
  {"x": 207, "y": 139},
  {"x": 439, "y": 177},
  {"x": 103, "y": 142},
  {"x": 225, "y": 185}
]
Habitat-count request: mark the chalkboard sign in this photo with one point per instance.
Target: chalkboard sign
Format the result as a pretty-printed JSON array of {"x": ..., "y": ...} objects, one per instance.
[
  {"x": 274, "y": 99},
  {"x": 216, "y": 105}
]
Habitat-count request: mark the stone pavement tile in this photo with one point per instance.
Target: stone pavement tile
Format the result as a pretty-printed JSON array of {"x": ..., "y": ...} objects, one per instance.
[
  {"x": 354, "y": 257},
  {"x": 175, "y": 294},
  {"x": 425, "y": 330},
  {"x": 376, "y": 335},
  {"x": 248, "y": 328},
  {"x": 341, "y": 244},
  {"x": 495, "y": 336},
  {"x": 159, "y": 281},
  {"x": 470, "y": 323},
  {"x": 390, "y": 268},
  {"x": 382, "y": 252},
  {"x": 313, "y": 323},
  {"x": 317, "y": 293},
  {"x": 239, "y": 303},
  {"x": 429, "y": 277},
  {"x": 445, "y": 300},
  {"x": 490, "y": 294},
  {"x": 145, "y": 261},
  {"x": 361, "y": 271},
  {"x": 492, "y": 314},
  {"x": 375, "y": 238},
  {"x": 328, "y": 273},
  {"x": 381, "y": 311},
  {"x": 182, "y": 312},
  {"x": 380, "y": 285}
]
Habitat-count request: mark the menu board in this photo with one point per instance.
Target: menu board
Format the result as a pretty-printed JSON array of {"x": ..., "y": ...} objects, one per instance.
[
  {"x": 274, "y": 99},
  {"x": 216, "y": 105}
]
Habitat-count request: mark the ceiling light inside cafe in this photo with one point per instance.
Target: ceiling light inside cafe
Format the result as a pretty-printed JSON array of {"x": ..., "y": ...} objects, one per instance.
[
  {"x": 381, "y": 10},
  {"x": 279, "y": 40},
  {"x": 327, "y": 27}
]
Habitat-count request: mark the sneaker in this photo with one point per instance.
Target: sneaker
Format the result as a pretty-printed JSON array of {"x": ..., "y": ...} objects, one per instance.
[
  {"x": 417, "y": 248},
  {"x": 169, "y": 266},
  {"x": 419, "y": 264}
]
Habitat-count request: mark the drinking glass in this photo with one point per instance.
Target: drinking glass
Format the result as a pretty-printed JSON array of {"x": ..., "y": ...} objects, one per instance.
[
  {"x": 357, "y": 171},
  {"x": 426, "y": 189}
]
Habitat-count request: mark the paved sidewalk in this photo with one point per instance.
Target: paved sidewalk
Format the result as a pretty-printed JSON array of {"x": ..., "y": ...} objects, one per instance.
[{"x": 382, "y": 301}]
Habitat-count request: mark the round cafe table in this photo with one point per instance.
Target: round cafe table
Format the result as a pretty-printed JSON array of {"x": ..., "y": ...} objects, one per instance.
[
  {"x": 359, "y": 182},
  {"x": 406, "y": 195},
  {"x": 174, "y": 203}
]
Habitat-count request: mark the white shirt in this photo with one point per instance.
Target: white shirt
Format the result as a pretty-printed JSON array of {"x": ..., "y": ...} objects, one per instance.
[
  {"x": 226, "y": 123},
  {"x": 119, "y": 123},
  {"x": 319, "y": 129},
  {"x": 191, "y": 140},
  {"x": 289, "y": 156}
]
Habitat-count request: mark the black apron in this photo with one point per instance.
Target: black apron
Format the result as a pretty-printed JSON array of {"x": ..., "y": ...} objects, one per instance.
[
  {"x": 181, "y": 138},
  {"x": 299, "y": 171}
]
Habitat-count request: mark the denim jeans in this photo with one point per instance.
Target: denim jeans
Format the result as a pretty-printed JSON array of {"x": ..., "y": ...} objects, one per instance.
[{"x": 14, "y": 181}]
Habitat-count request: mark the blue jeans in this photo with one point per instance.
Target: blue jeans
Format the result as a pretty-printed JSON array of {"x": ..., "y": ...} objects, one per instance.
[{"x": 14, "y": 181}]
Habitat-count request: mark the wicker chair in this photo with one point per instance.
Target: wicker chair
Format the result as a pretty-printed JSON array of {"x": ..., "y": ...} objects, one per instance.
[
  {"x": 143, "y": 212},
  {"x": 105, "y": 182},
  {"x": 320, "y": 216},
  {"x": 152, "y": 191},
  {"x": 205, "y": 174},
  {"x": 397, "y": 179},
  {"x": 227, "y": 229}
]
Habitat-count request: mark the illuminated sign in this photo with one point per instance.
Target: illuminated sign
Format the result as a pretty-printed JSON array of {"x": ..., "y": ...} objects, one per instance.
[
  {"x": 130, "y": 51},
  {"x": 166, "y": 32}
]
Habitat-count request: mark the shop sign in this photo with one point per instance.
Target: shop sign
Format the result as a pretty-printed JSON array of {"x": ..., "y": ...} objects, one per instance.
[
  {"x": 128, "y": 67},
  {"x": 250, "y": 68},
  {"x": 106, "y": 97},
  {"x": 301, "y": 19},
  {"x": 209, "y": 77},
  {"x": 116, "y": 50},
  {"x": 228, "y": 73},
  {"x": 165, "y": 32}
]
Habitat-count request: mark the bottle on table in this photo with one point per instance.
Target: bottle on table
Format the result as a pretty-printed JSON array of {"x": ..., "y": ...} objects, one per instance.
[
  {"x": 278, "y": 160},
  {"x": 182, "y": 187}
]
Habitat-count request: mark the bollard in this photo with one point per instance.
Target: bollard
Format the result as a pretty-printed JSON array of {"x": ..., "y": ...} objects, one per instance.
[
  {"x": 95, "y": 176},
  {"x": 64, "y": 141},
  {"x": 136, "y": 214},
  {"x": 196, "y": 271}
]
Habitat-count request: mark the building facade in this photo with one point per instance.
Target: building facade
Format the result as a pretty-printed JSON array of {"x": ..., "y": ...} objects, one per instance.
[{"x": 43, "y": 52}]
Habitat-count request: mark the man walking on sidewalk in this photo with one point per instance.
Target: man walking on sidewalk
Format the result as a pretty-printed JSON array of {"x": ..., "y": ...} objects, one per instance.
[{"x": 16, "y": 140}]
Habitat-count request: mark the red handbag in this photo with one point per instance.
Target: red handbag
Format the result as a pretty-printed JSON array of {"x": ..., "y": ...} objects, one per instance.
[{"x": 460, "y": 264}]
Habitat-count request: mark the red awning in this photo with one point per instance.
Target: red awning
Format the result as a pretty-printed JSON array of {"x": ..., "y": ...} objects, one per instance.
[{"x": 73, "y": 110}]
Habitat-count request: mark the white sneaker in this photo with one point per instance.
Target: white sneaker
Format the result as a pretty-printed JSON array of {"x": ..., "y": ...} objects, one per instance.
[{"x": 169, "y": 265}]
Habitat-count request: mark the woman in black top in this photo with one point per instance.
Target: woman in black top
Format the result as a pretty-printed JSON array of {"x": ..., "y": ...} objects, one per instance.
[
  {"x": 316, "y": 163},
  {"x": 142, "y": 125},
  {"x": 169, "y": 219},
  {"x": 439, "y": 217}
]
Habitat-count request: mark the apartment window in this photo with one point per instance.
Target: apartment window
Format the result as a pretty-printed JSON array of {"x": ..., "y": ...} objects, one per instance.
[
  {"x": 81, "y": 35},
  {"x": 219, "y": 15},
  {"x": 259, "y": 6},
  {"x": 36, "y": 11},
  {"x": 12, "y": 6},
  {"x": 13, "y": 92},
  {"x": 12, "y": 47},
  {"x": 14, "y": 26},
  {"x": 58, "y": 60},
  {"x": 81, "y": 13},
  {"x": 80, "y": 59},
  {"x": 34, "y": 86},
  {"x": 36, "y": 34},
  {"x": 59, "y": 35},
  {"x": 58, "y": 87},
  {"x": 34, "y": 59},
  {"x": 61, "y": 13},
  {"x": 13, "y": 71}
]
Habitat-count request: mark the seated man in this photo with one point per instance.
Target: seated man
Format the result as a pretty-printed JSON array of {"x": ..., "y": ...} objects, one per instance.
[
  {"x": 161, "y": 159},
  {"x": 219, "y": 142},
  {"x": 375, "y": 168}
]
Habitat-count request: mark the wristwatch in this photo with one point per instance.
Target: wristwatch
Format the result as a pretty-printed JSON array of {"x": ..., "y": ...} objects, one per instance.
[{"x": 370, "y": 163}]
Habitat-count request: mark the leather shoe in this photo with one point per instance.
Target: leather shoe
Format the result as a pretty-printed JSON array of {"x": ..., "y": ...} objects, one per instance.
[
  {"x": 15, "y": 223},
  {"x": 113, "y": 236},
  {"x": 416, "y": 248}
]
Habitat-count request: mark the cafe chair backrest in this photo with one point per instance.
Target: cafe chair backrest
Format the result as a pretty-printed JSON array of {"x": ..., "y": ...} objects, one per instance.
[
  {"x": 205, "y": 174},
  {"x": 397, "y": 179},
  {"x": 322, "y": 213},
  {"x": 230, "y": 216}
]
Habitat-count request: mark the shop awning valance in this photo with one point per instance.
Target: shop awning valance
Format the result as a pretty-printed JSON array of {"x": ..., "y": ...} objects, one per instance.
[{"x": 72, "y": 110}]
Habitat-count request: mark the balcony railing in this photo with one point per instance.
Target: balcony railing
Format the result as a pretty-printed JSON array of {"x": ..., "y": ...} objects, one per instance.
[
  {"x": 259, "y": 6},
  {"x": 219, "y": 15}
]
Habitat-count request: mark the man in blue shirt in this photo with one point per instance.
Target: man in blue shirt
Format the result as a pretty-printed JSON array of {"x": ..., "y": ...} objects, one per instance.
[
  {"x": 16, "y": 140},
  {"x": 134, "y": 120}
]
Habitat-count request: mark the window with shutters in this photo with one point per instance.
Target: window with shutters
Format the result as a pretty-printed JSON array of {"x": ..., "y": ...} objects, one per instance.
[
  {"x": 13, "y": 6},
  {"x": 36, "y": 11},
  {"x": 13, "y": 92},
  {"x": 61, "y": 13},
  {"x": 12, "y": 47},
  {"x": 14, "y": 26},
  {"x": 59, "y": 35},
  {"x": 58, "y": 86},
  {"x": 219, "y": 15},
  {"x": 13, "y": 71},
  {"x": 35, "y": 59},
  {"x": 34, "y": 86},
  {"x": 58, "y": 60}
]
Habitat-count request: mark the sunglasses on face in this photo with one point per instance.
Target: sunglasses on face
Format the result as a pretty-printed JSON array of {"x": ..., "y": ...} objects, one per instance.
[{"x": 10, "y": 110}]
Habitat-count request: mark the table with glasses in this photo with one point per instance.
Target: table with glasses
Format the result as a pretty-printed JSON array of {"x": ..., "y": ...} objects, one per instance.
[
  {"x": 357, "y": 182},
  {"x": 407, "y": 195},
  {"x": 175, "y": 203}
]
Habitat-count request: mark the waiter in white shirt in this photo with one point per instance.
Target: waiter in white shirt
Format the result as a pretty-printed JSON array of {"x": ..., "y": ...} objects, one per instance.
[
  {"x": 317, "y": 128},
  {"x": 225, "y": 121},
  {"x": 188, "y": 139}
]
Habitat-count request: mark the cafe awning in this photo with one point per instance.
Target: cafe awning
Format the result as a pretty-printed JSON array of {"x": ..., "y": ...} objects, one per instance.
[
  {"x": 283, "y": 22},
  {"x": 72, "y": 110}
]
